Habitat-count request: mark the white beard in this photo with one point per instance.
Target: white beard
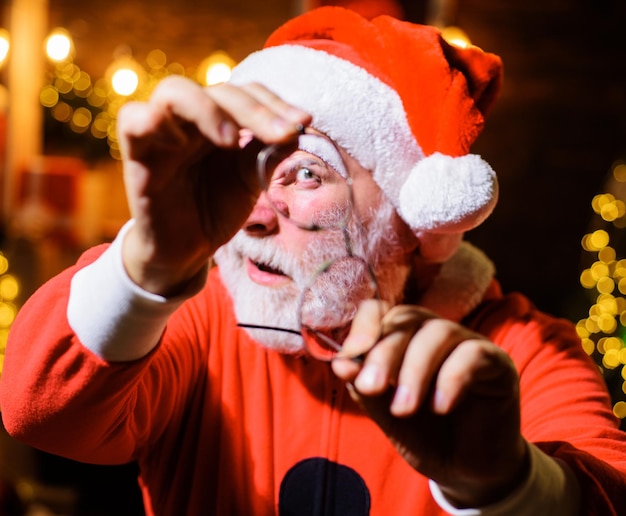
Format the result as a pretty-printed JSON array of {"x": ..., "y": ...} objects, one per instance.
[{"x": 278, "y": 306}]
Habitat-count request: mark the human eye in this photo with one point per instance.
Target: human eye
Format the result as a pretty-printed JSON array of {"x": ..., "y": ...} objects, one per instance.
[
  {"x": 309, "y": 173},
  {"x": 306, "y": 174}
]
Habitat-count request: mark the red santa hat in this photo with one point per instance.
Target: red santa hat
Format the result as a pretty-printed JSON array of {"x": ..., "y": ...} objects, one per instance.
[{"x": 400, "y": 100}]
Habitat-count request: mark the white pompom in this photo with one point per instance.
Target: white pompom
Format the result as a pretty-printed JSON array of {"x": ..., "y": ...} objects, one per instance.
[{"x": 448, "y": 195}]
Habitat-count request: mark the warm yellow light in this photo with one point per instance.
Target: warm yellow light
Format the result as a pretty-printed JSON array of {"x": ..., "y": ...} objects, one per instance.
[
  {"x": 125, "y": 81},
  {"x": 217, "y": 73},
  {"x": 583, "y": 333},
  {"x": 599, "y": 239},
  {"x": 156, "y": 59},
  {"x": 586, "y": 243},
  {"x": 609, "y": 212},
  {"x": 613, "y": 343},
  {"x": 610, "y": 359},
  {"x": 607, "y": 324},
  {"x": 100, "y": 126},
  {"x": 619, "y": 409},
  {"x": 605, "y": 285},
  {"x": 600, "y": 200},
  {"x": 7, "y": 314},
  {"x": 588, "y": 346},
  {"x": 607, "y": 255},
  {"x": 49, "y": 96},
  {"x": 456, "y": 36},
  {"x": 587, "y": 280},
  {"x": 619, "y": 172},
  {"x": 81, "y": 119},
  {"x": 599, "y": 270},
  {"x": 59, "y": 45},
  {"x": 9, "y": 287},
  {"x": 592, "y": 325},
  {"x": 607, "y": 304},
  {"x": 82, "y": 84},
  {"x": 216, "y": 68},
  {"x": 5, "y": 45},
  {"x": 62, "y": 112}
]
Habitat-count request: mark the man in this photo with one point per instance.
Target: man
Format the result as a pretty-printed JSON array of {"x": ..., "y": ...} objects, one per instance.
[{"x": 445, "y": 396}]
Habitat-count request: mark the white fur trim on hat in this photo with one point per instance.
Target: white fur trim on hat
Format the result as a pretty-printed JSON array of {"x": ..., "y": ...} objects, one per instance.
[
  {"x": 366, "y": 117},
  {"x": 357, "y": 110}
]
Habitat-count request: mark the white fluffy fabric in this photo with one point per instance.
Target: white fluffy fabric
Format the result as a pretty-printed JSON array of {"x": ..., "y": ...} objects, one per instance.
[
  {"x": 446, "y": 194},
  {"x": 460, "y": 285},
  {"x": 357, "y": 110},
  {"x": 367, "y": 118}
]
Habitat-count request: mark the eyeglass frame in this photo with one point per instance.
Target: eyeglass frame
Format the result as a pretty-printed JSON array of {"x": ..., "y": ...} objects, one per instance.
[{"x": 263, "y": 156}]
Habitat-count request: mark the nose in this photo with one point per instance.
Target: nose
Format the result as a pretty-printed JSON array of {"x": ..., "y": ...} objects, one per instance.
[{"x": 263, "y": 220}]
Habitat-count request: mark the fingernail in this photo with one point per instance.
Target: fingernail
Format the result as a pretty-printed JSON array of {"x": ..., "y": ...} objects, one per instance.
[
  {"x": 282, "y": 127},
  {"x": 369, "y": 379},
  {"x": 402, "y": 399},
  {"x": 440, "y": 402},
  {"x": 229, "y": 132},
  {"x": 296, "y": 114}
]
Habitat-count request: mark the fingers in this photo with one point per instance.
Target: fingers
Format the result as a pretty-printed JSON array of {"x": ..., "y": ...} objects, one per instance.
[
  {"x": 427, "y": 351},
  {"x": 384, "y": 362},
  {"x": 391, "y": 330},
  {"x": 288, "y": 115},
  {"x": 383, "y": 335},
  {"x": 220, "y": 111},
  {"x": 475, "y": 366},
  {"x": 365, "y": 331},
  {"x": 421, "y": 359}
]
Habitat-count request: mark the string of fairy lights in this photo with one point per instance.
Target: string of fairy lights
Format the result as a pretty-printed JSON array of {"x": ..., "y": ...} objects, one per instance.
[
  {"x": 603, "y": 331},
  {"x": 9, "y": 290},
  {"x": 89, "y": 107}
]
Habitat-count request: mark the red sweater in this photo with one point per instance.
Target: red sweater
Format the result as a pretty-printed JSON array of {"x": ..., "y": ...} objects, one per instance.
[{"x": 220, "y": 425}]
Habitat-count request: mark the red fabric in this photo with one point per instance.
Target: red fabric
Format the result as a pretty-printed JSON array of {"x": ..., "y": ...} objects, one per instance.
[
  {"x": 366, "y": 8},
  {"x": 216, "y": 421},
  {"x": 445, "y": 112}
]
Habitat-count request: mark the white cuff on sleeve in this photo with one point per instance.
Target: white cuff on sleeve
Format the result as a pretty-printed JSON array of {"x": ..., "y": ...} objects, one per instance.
[
  {"x": 111, "y": 315},
  {"x": 551, "y": 488}
]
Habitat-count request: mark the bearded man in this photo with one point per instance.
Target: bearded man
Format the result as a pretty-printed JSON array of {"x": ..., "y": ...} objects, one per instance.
[{"x": 349, "y": 354}]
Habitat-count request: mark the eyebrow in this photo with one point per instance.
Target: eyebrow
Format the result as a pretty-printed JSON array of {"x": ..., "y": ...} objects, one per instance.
[{"x": 322, "y": 147}]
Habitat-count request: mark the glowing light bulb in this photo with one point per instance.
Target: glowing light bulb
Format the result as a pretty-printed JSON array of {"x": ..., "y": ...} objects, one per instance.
[
  {"x": 59, "y": 45},
  {"x": 216, "y": 68},
  {"x": 217, "y": 73},
  {"x": 5, "y": 45},
  {"x": 125, "y": 81}
]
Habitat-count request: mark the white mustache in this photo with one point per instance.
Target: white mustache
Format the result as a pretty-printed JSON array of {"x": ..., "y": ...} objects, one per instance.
[{"x": 300, "y": 268}]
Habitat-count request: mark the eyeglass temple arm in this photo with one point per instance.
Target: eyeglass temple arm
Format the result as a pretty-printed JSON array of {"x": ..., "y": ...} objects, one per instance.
[{"x": 275, "y": 328}]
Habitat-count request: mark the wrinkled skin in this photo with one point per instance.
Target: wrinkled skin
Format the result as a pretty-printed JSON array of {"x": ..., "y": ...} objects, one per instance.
[{"x": 446, "y": 397}]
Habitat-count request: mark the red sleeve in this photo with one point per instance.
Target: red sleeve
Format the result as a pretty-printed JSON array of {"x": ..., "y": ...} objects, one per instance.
[
  {"x": 566, "y": 409},
  {"x": 58, "y": 396}
]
